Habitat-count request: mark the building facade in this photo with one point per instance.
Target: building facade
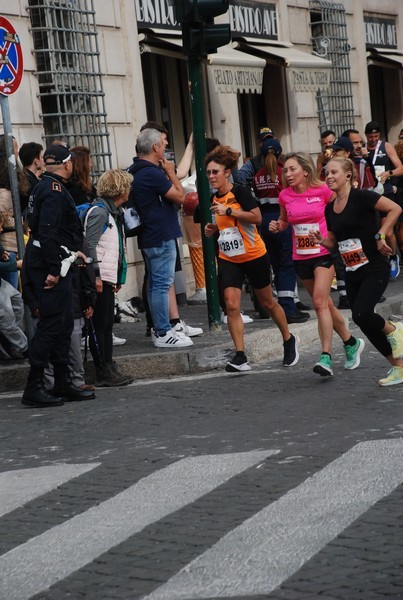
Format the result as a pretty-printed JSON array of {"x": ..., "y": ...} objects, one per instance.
[{"x": 96, "y": 70}]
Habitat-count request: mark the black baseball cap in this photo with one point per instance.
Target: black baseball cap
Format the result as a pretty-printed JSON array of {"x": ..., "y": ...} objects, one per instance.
[
  {"x": 343, "y": 143},
  {"x": 372, "y": 127},
  {"x": 57, "y": 154}
]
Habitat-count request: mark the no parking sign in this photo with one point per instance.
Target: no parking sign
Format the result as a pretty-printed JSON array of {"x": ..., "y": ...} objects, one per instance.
[
  {"x": 11, "y": 62},
  {"x": 11, "y": 69}
]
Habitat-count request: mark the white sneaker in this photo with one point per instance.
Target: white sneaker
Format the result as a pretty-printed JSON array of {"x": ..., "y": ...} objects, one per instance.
[
  {"x": 117, "y": 341},
  {"x": 245, "y": 318},
  {"x": 199, "y": 297},
  {"x": 187, "y": 330},
  {"x": 171, "y": 340}
]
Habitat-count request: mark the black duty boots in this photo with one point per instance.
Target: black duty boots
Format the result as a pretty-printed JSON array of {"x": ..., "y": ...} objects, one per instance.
[{"x": 35, "y": 393}]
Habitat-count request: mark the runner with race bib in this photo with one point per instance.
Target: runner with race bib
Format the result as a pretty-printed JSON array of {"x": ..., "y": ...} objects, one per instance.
[
  {"x": 303, "y": 201},
  {"x": 353, "y": 222},
  {"x": 241, "y": 253}
]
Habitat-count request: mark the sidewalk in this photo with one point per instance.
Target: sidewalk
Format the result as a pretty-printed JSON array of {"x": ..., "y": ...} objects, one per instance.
[{"x": 139, "y": 358}]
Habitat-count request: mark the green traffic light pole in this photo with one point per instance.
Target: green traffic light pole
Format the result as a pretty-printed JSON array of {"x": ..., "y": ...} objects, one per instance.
[{"x": 203, "y": 189}]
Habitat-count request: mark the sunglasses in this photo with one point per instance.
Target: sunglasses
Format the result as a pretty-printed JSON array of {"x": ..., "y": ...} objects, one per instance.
[{"x": 213, "y": 172}]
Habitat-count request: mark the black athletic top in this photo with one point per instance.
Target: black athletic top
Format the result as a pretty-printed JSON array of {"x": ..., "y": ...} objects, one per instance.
[{"x": 359, "y": 219}]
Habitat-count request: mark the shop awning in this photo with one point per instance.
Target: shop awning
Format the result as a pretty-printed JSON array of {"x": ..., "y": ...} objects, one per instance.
[
  {"x": 284, "y": 53},
  {"x": 385, "y": 57},
  {"x": 161, "y": 43},
  {"x": 232, "y": 71},
  {"x": 307, "y": 72}
]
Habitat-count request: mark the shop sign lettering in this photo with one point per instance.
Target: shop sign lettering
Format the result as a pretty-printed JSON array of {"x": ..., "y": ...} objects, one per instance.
[
  {"x": 233, "y": 79},
  {"x": 157, "y": 13},
  {"x": 380, "y": 33},
  {"x": 253, "y": 19},
  {"x": 308, "y": 80}
]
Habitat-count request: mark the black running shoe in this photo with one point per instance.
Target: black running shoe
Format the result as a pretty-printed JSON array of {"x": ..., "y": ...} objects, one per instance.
[
  {"x": 291, "y": 354},
  {"x": 238, "y": 363}
]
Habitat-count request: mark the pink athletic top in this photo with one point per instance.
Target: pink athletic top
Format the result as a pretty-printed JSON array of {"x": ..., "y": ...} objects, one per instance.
[{"x": 304, "y": 212}]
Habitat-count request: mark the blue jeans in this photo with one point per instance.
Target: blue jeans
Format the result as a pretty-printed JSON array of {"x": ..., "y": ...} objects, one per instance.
[
  {"x": 12, "y": 276},
  {"x": 161, "y": 272}
]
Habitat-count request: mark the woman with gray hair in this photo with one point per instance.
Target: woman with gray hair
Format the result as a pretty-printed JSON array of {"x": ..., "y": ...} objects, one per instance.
[{"x": 103, "y": 229}]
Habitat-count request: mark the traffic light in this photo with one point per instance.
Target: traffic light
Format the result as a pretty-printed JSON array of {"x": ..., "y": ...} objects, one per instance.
[{"x": 200, "y": 35}]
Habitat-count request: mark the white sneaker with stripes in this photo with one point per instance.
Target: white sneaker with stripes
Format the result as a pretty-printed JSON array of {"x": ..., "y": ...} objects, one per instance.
[{"x": 171, "y": 340}]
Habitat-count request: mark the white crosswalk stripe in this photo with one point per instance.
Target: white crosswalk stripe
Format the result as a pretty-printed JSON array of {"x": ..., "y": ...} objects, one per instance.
[
  {"x": 42, "y": 561},
  {"x": 21, "y": 486},
  {"x": 253, "y": 559},
  {"x": 260, "y": 554}
]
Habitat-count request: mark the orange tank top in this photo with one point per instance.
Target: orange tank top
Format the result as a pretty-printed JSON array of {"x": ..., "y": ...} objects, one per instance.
[{"x": 229, "y": 242}]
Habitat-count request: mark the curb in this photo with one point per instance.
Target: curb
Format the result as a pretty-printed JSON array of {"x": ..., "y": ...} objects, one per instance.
[{"x": 261, "y": 345}]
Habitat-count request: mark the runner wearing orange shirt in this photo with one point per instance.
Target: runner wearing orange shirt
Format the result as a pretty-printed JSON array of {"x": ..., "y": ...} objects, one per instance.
[{"x": 242, "y": 253}]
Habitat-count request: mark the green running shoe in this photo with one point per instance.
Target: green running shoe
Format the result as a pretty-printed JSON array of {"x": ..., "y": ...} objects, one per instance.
[
  {"x": 324, "y": 366},
  {"x": 353, "y": 354}
]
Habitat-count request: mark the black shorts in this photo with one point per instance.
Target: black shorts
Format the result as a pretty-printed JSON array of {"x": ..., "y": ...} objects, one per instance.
[
  {"x": 305, "y": 268},
  {"x": 233, "y": 274}
]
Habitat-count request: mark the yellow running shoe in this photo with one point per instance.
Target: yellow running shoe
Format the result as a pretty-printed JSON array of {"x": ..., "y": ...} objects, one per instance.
[
  {"x": 395, "y": 340},
  {"x": 394, "y": 376}
]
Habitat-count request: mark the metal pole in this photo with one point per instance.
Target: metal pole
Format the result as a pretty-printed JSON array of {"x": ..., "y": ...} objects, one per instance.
[
  {"x": 203, "y": 190},
  {"x": 12, "y": 171}
]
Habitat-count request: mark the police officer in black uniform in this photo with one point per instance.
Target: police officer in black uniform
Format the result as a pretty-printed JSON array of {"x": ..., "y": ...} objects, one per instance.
[{"x": 54, "y": 223}]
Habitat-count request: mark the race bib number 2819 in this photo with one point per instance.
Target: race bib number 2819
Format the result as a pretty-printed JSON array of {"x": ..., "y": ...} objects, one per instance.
[{"x": 230, "y": 242}]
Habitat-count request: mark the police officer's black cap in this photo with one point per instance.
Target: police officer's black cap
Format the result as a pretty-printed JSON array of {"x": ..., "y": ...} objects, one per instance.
[{"x": 57, "y": 154}]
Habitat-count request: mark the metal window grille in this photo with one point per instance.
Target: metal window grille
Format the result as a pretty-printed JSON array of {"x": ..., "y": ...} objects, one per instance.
[
  {"x": 70, "y": 79},
  {"x": 329, "y": 39}
]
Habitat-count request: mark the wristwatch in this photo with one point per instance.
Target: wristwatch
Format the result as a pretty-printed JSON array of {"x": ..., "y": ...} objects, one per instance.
[
  {"x": 379, "y": 236},
  {"x": 390, "y": 173},
  {"x": 228, "y": 212}
]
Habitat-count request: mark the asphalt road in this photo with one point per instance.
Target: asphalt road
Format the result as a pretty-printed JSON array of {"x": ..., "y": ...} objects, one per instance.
[{"x": 272, "y": 484}]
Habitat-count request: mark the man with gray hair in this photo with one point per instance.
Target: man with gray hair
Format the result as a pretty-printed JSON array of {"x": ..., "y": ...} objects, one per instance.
[{"x": 156, "y": 190}]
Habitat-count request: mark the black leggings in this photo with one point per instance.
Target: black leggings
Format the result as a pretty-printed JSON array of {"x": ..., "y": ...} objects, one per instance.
[
  {"x": 103, "y": 319},
  {"x": 364, "y": 290}
]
